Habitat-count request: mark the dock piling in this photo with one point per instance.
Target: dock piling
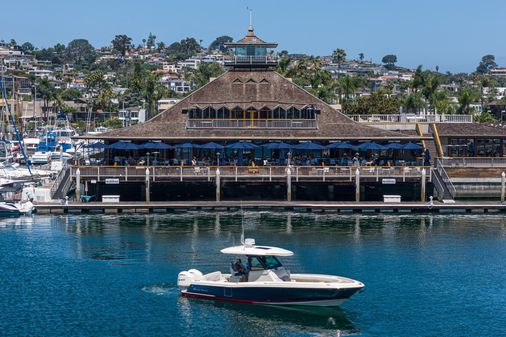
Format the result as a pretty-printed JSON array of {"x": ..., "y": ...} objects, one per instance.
[
  {"x": 357, "y": 185},
  {"x": 78, "y": 185},
  {"x": 423, "y": 182},
  {"x": 503, "y": 186},
  {"x": 148, "y": 194},
  {"x": 288, "y": 185},
  {"x": 218, "y": 187}
]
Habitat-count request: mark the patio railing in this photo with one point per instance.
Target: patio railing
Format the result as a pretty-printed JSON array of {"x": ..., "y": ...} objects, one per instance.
[
  {"x": 405, "y": 118},
  {"x": 473, "y": 161},
  {"x": 252, "y": 123},
  {"x": 124, "y": 173}
]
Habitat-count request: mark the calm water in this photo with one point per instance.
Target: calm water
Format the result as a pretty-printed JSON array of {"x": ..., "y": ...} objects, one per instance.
[{"x": 103, "y": 275}]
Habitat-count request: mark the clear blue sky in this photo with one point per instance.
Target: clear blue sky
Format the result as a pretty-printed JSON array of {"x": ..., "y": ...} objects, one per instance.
[{"x": 453, "y": 34}]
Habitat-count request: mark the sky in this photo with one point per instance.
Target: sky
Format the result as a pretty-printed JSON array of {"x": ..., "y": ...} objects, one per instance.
[{"x": 451, "y": 34}]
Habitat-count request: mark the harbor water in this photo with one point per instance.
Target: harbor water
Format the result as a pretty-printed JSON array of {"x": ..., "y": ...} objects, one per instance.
[{"x": 101, "y": 275}]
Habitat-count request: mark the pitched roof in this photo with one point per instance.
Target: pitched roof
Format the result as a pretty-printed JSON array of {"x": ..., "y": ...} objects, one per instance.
[
  {"x": 469, "y": 130},
  {"x": 269, "y": 90},
  {"x": 251, "y": 39}
]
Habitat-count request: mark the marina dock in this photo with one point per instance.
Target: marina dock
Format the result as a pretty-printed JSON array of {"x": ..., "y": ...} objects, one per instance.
[{"x": 278, "y": 206}]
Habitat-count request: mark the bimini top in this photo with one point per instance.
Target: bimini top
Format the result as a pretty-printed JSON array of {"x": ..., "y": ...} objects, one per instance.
[{"x": 249, "y": 248}]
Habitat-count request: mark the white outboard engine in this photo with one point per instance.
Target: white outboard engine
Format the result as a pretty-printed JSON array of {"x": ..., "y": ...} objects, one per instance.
[{"x": 185, "y": 278}]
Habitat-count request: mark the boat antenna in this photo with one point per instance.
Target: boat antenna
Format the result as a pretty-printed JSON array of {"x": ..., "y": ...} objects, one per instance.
[{"x": 242, "y": 224}]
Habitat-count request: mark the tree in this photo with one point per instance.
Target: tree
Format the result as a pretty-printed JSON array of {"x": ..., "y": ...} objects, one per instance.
[
  {"x": 418, "y": 79},
  {"x": 153, "y": 91},
  {"x": 380, "y": 102},
  {"x": 46, "y": 91},
  {"x": 338, "y": 57},
  {"x": 183, "y": 49},
  {"x": 485, "y": 117},
  {"x": 203, "y": 73},
  {"x": 414, "y": 102},
  {"x": 487, "y": 63},
  {"x": 219, "y": 43},
  {"x": 160, "y": 47},
  {"x": 27, "y": 47},
  {"x": 389, "y": 60},
  {"x": 71, "y": 94},
  {"x": 348, "y": 85},
  {"x": 151, "y": 41},
  {"x": 466, "y": 96},
  {"x": 361, "y": 57},
  {"x": 121, "y": 44},
  {"x": 80, "y": 52}
]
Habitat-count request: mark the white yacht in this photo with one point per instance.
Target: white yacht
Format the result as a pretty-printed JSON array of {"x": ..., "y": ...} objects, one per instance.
[{"x": 264, "y": 280}]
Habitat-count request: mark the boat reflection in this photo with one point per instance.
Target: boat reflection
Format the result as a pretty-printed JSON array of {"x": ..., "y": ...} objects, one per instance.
[{"x": 327, "y": 319}]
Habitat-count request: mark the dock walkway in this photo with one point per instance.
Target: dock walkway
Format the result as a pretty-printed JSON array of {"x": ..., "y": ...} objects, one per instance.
[{"x": 298, "y": 206}]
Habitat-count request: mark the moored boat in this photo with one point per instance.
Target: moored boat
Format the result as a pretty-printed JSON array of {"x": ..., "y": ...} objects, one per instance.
[{"x": 264, "y": 280}]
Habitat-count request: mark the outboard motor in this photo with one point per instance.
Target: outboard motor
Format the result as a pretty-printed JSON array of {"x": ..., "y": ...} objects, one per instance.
[{"x": 185, "y": 278}]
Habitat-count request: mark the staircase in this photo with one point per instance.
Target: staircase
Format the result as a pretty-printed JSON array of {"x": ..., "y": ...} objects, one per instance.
[
  {"x": 446, "y": 191},
  {"x": 429, "y": 144},
  {"x": 62, "y": 184}
]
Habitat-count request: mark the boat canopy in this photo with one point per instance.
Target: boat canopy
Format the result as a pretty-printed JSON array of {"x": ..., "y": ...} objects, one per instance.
[{"x": 256, "y": 251}]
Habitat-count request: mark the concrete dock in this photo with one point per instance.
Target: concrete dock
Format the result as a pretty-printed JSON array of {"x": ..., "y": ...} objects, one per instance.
[{"x": 317, "y": 207}]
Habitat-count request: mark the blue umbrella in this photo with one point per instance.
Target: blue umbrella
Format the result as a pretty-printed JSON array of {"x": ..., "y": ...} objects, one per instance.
[
  {"x": 211, "y": 146},
  {"x": 395, "y": 146},
  {"x": 155, "y": 146},
  {"x": 412, "y": 146},
  {"x": 370, "y": 146},
  {"x": 241, "y": 145},
  {"x": 309, "y": 146},
  {"x": 124, "y": 146},
  {"x": 281, "y": 146},
  {"x": 186, "y": 146},
  {"x": 97, "y": 146},
  {"x": 340, "y": 145}
]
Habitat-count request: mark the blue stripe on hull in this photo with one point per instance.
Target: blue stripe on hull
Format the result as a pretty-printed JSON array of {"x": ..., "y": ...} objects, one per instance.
[{"x": 267, "y": 294}]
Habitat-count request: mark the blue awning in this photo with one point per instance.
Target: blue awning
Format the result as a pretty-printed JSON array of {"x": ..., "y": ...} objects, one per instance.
[
  {"x": 276, "y": 145},
  {"x": 186, "y": 146},
  {"x": 395, "y": 146}
]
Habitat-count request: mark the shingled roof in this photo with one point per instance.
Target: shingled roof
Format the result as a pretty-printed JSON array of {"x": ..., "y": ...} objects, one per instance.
[
  {"x": 467, "y": 130},
  {"x": 251, "y": 39},
  {"x": 244, "y": 89}
]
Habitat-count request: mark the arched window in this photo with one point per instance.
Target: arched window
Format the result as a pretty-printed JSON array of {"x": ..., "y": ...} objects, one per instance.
[
  {"x": 209, "y": 113},
  {"x": 293, "y": 113},
  {"x": 195, "y": 113}
]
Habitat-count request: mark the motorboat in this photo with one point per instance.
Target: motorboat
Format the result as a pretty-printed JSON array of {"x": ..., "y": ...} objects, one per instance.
[
  {"x": 10, "y": 209},
  {"x": 264, "y": 280}
]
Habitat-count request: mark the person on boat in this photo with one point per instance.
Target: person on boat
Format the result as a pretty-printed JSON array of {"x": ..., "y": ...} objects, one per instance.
[{"x": 247, "y": 268}]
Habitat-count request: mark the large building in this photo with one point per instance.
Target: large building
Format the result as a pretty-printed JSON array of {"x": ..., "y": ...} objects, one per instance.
[{"x": 255, "y": 128}]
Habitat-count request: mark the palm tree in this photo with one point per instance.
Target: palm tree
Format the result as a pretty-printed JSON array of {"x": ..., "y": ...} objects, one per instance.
[
  {"x": 339, "y": 56},
  {"x": 203, "y": 73},
  {"x": 414, "y": 102},
  {"x": 349, "y": 85},
  {"x": 466, "y": 96},
  {"x": 153, "y": 92},
  {"x": 361, "y": 57}
]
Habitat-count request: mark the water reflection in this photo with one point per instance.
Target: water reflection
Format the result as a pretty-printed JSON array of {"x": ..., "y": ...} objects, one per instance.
[{"x": 262, "y": 318}]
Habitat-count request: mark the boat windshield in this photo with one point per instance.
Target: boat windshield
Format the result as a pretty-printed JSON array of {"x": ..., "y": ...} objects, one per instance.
[{"x": 265, "y": 262}]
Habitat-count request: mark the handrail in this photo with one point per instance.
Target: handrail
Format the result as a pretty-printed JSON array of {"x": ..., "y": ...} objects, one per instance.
[
  {"x": 487, "y": 162},
  {"x": 408, "y": 118},
  {"x": 446, "y": 179},
  {"x": 420, "y": 133},
  {"x": 438, "y": 141}
]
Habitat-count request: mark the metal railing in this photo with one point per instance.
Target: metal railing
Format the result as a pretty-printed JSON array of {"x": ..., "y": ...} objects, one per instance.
[
  {"x": 124, "y": 173},
  {"x": 404, "y": 118},
  {"x": 252, "y": 123},
  {"x": 446, "y": 179},
  {"x": 63, "y": 177},
  {"x": 473, "y": 161},
  {"x": 268, "y": 59}
]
